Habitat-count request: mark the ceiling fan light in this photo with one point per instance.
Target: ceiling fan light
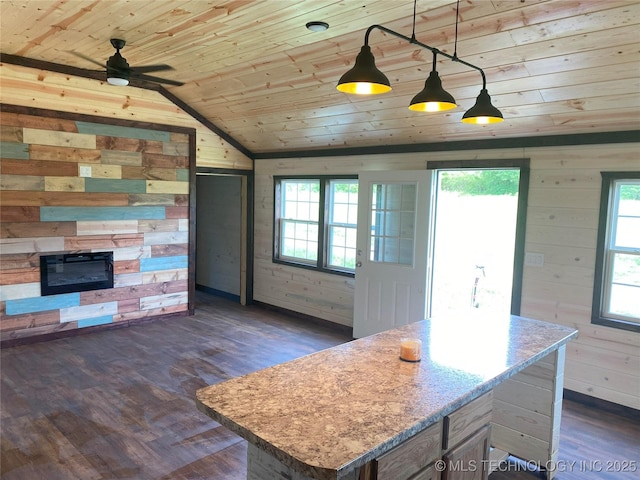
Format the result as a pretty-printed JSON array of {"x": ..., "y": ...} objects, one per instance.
[
  {"x": 118, "y": 68},
  {"x": 433, "y": 98},
  {"x": 120, "y": 82},
  {"x": 364, "y": 78},
  {"x": 483, "y": 112}
]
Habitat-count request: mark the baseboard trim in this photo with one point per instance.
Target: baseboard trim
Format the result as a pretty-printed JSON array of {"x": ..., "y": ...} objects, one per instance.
[
  {"x": 336, "y": 327},
  {"x": 604, "y": 405},
  {"x": 218, "y": 293}
]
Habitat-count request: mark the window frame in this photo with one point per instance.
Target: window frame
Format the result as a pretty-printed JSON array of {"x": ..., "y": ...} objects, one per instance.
[
  {"x": 602, "y": 267},
  {"x": 322, "y": 261}
]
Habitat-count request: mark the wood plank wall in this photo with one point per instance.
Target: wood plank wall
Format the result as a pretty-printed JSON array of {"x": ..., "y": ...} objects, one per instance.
[
  {"x": 562, "y": 223},
  {"x": 525, "y": 407},
  {"x": 132, "y": 199},
  {"x": 40, "y": 168}
]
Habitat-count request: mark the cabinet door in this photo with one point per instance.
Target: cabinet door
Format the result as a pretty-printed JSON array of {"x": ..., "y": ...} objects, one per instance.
[
  {"x": 411, "y": 456},
  {"x": 427, "y": 473},
  {"x": 470, "y": 459}
]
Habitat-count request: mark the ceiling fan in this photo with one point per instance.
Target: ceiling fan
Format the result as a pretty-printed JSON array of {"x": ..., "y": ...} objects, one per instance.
[{"x": 119, "y": 72}]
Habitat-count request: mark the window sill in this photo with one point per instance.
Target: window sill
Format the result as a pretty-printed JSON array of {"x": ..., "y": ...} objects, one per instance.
[
  {"x": 615, "y": 323},
  {"x": 314, "y": 267}
]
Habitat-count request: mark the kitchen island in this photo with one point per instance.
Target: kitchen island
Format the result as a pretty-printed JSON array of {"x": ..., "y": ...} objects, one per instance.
[{"x": 357, "y": 411}]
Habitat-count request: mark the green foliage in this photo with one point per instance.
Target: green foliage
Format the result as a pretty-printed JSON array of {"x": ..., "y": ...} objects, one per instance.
[
  {"x": 630, "y": 192},
  {"x": 481, "y": 182},
  {"x": 346, "y": 187}
]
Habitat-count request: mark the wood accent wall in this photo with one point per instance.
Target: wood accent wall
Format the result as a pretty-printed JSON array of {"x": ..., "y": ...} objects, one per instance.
[
  {"x": 562, "y": 222},
  {"x": 57, "y": 184},
  {"x": 70, "y": 186}
]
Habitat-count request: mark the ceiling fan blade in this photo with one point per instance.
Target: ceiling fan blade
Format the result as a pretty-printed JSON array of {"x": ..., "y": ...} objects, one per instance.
[
  {"x": 152, "y": 68},
  {"x": 155, "y": 79},
  {"x": 88, "y": 59}
]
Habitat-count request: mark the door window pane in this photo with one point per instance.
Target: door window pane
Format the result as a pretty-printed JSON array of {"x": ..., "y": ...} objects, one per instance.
[{"x": 393, "y": 210}]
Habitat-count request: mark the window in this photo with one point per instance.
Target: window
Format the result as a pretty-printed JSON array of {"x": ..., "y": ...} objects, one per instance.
[
  {"x": 299, "y": 220},
  {"x": 617, "y": 279},
  {"x": 343, "y": 217},
  {"x": 315, "y": 222}
]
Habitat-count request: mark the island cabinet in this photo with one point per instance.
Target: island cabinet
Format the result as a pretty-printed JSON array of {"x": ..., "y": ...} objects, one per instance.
[
  {"x": 456, "y": 447},
  {"x": 466, "y": 442},
  {"x": 359, "y": 412},
  {"x": 414, "y": 458}
]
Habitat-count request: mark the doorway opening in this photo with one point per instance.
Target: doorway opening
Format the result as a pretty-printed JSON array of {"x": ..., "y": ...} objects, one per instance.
[
  {"x": 223, "y": 249},
  {"x": 478, "y": 240}
]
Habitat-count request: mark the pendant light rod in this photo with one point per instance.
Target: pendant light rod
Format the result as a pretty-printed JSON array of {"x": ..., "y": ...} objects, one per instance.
[
  {"x": 455, "y": 45},
  {"x": 435, "y": 50}
]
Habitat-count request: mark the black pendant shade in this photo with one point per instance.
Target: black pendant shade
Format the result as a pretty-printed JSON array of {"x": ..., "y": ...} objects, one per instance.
[
  {"x": 433, "y": 98},
  {"x": 364, "y": 78},
  {"x": 483, "y": 112}
]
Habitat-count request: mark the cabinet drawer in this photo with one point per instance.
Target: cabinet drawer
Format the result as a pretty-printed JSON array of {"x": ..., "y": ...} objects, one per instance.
[
  {"x": 411, "y": 456},
  {"x": 467, "y": 420}
]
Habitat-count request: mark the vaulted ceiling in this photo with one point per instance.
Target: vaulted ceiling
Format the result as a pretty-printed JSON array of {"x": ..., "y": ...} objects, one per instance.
[{"x": 251, "y": 67}]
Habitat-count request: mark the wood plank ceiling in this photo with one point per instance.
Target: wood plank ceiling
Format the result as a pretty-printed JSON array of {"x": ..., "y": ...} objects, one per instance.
[{"x": 252, "y": 68}]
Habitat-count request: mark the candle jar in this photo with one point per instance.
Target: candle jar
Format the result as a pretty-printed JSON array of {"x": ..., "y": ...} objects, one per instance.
[{"x": 410, "y": 349}]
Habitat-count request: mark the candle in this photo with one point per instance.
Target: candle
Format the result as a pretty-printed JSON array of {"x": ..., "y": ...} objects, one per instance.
[{"x": 410, "y": 349}]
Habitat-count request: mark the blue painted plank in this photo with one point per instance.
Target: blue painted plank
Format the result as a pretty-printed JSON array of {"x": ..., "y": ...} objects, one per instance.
[
  {"x": 182, "y": 174},
  {"x": 126, "y": 132},
  {"x": 14, "y": 150},
  {"x": 163, "y": 263},
  {"x": 115, "y": 185},
  {"x": 73, "y": 214},
  {"x": 92, "y": 322},
  {"x": 41, "y": 304}
]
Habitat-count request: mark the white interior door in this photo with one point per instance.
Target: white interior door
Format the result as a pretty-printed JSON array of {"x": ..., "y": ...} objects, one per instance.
[{"x": 393, "y": 245}]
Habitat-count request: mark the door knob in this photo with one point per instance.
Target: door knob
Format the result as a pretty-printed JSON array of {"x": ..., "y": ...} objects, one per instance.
[{"x": 358, "y": 264}]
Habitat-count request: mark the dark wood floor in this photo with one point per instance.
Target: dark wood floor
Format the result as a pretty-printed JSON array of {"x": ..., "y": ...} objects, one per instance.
[{"x": 120, "y": 403}]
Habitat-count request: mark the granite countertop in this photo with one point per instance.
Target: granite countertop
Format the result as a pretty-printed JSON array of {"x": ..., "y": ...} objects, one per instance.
[{"x": 330, "y": 412}]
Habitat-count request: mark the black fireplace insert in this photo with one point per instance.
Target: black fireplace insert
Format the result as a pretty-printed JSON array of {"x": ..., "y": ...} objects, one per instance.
[{"x": 75, "y": 272}]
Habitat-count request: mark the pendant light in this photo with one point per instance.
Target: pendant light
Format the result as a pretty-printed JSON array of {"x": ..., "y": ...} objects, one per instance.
[
  {"x": 365, "y": 78},
  {"x": 483, "y": 112},
  {"x": 433, "y": 98}
]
